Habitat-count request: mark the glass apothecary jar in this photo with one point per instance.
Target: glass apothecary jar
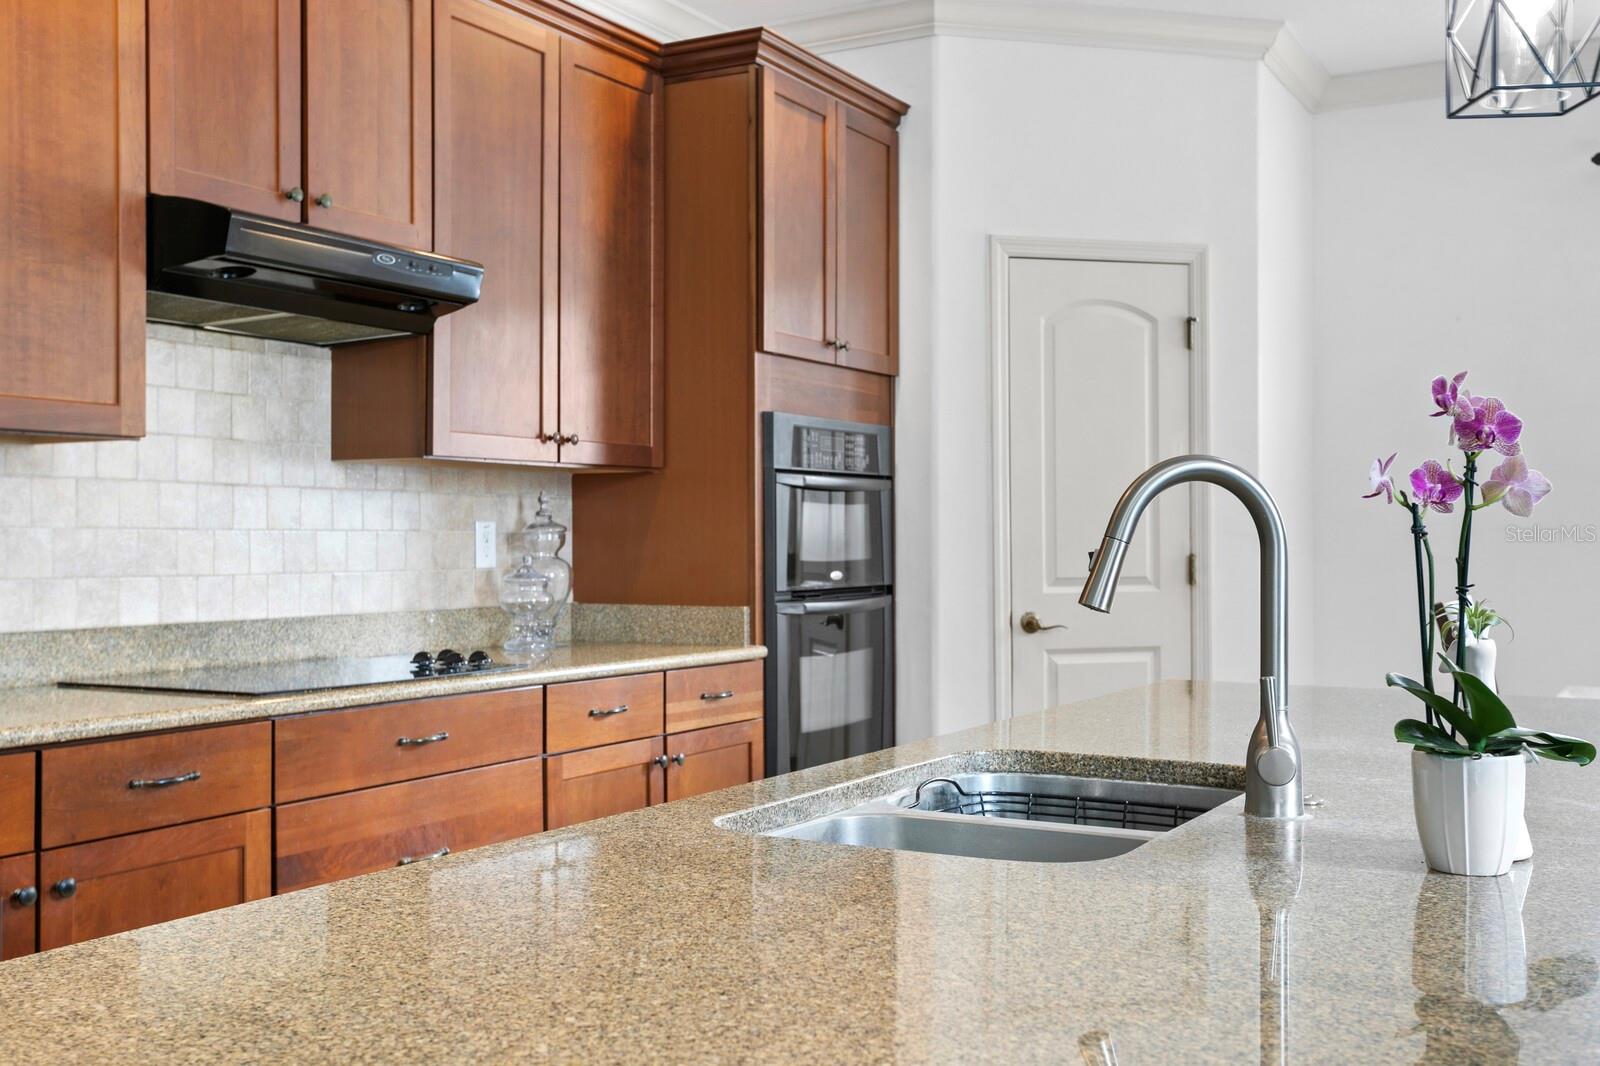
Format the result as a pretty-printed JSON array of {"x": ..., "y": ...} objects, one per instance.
[{"x": 537, "y": 582}]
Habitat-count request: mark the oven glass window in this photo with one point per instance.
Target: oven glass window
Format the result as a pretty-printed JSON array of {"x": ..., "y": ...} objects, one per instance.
[
  {"x": 835, "y": 539},
  {"x": 837, "y": 683}
]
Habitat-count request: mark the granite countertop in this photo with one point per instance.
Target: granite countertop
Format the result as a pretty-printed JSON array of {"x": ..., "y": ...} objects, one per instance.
[
  {"x": 37, "y": 715},
  {"x": 657, "y": 936}
]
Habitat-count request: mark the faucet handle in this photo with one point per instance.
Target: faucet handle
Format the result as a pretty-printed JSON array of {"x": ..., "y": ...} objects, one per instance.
[{"x": 1277, "y": 763}]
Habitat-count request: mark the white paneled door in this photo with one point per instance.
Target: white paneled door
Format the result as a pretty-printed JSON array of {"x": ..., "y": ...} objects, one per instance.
[{"x": 1099, "y": 380}]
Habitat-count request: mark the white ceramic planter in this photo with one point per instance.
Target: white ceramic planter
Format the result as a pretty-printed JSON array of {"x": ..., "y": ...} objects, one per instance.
[{"x": 1469, "y": 811}]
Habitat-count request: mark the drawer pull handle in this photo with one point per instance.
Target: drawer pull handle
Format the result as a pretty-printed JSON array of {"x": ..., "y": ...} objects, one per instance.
[
  {"x": 407, "y": 860},
  {"x": 680, "y": 758},
  {"x": 607, "y": 712},
  {"x": 712, "y": 697},
  {"x": 164, "y": 782},
  {"x": 415, "y": 742}
]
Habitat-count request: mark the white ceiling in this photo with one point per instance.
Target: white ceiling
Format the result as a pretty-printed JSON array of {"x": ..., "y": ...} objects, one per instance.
[{"x": 1346, "y": 36}]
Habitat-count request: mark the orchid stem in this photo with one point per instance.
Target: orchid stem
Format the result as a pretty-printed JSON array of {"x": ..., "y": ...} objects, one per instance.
[
  {"x": 1469, "y": 481},
  {"x": 1419, "y": 536}
]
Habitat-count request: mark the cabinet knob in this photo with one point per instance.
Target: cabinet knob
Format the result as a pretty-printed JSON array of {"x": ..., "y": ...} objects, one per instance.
[
  {"x": 549, "y": 438},
  {"x": 843, "y": 346},
  {"x": 324, "y": 200},
  {"x": 65, "y": 888},
  {"x": 297, "y": 194},
  {"x": 680, "y": 758},
  {"x": 570, "y": 438},
  {"x": 661, "y": 761},
  {"x": 25, "y": 897}
]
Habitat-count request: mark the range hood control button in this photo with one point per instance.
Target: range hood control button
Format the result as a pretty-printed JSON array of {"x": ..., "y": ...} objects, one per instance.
[{"x": 387, "y": 259}]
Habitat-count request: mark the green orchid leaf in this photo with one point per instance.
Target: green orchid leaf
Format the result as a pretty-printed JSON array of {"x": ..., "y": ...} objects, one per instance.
[
  {"x": 1490, "y": 715},
  {"x": 1556, "y": 747},
  {"x": 1458, "y": 718},
  {"x": 1427, "y": 737}
]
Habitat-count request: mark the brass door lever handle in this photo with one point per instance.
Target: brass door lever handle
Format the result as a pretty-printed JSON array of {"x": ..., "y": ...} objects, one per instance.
[{"x": 1030, "y": 624}]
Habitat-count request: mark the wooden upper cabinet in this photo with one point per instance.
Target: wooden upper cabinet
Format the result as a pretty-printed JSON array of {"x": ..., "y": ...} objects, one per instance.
[
  {"x": 369, "y": 119},
  {"x": 869, "y": 209},
  {"x": 72, "y": 163},
  {"x": 612, "y": 396},
  {"x": 799, "y": 207},
  {"x": 496, "y": 88},
  {"x": 225, "y": 103}
]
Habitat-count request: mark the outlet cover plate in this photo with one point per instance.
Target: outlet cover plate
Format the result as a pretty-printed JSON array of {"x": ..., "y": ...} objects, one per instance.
[{"x": 484, "y": 541}]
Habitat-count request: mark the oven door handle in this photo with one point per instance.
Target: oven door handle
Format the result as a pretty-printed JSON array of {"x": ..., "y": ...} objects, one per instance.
[
  {"x": 866, "y": 603},
  {"x": 835, "y": 483}
]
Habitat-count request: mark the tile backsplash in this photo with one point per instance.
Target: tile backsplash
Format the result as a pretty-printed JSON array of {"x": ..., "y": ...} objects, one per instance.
[{"x": 230, "y": 508}]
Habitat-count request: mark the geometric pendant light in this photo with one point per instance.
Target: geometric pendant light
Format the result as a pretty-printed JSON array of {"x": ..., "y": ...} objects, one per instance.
[{"x": 1521, "y": 58}]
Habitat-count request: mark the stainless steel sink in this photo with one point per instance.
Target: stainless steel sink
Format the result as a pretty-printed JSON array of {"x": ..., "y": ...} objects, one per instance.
[{"x": 1027, "y": 817}]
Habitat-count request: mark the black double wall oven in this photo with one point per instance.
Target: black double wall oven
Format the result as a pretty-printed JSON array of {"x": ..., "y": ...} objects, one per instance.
[{"x": 829, "y": 568}]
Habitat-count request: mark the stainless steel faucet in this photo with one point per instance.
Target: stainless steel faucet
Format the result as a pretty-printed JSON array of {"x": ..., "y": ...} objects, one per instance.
[{"x": 1272, "y": 764}]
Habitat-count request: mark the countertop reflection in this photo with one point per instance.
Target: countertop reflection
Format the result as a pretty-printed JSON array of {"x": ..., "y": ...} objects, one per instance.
[{"x": 658, "y": 937}]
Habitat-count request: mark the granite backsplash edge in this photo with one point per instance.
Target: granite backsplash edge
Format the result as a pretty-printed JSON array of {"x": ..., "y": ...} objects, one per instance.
[{"x": 42, "y": 658}]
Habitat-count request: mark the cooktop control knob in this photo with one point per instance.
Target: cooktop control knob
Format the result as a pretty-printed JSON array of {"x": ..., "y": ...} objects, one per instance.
[
  {"x": 422, "y": 663},
  {"x": 450, "y": 659},
  {"x": 479, "y": 659}
]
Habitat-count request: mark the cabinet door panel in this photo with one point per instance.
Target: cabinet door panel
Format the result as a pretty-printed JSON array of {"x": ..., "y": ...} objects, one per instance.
[
  {"x": 868, "y": 237},
  {"x": 328, "y": 839},
  {"x": 603, "y": 781},
  {"x": 225, "y": 103},
  {"x": 611, "y": 283},
  {"x": 72, "y": 163},
  {"x": 19, "y": 919},
  {"x": 158, "y": 876},
  {"x": 708, "y": 759},
  {"x": 17, "y": 801},
  {"x": 369, "y": 118},
  {"x": 496, "y": 88},
  {"x": 799, "y": 199}
]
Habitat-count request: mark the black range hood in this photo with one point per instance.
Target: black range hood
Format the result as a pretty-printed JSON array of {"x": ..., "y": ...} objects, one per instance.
[{"x": 230, "y": 272}]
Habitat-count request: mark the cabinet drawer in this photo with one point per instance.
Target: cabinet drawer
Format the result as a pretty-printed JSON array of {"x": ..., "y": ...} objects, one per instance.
[
  {"x": 708, "y": 759},
  {"x": 122, "y": 786},
  {"x": 320, "y": 754},
  {"x": 16, "y": 802},
  {"x": 584, "y": 714},
  {"x": 617, "y": 778},
  {"x": 156, "y": 876},
  {"x": 335, "y": 837},
  {"x": 714, "y": 695},
  {"x": 19, "y": 905}
]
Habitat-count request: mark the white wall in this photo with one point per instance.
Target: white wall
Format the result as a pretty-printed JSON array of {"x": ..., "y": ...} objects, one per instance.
[
  {"x": 1443, "y": 246},
  {"x": 1027, "y": 139},
  {"x": 1284, "y": 179}
]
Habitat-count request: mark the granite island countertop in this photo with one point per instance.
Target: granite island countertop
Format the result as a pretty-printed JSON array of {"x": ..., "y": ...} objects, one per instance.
[
  {"x": 35, "y": 715},
  {"x": 657, "y": 936}
]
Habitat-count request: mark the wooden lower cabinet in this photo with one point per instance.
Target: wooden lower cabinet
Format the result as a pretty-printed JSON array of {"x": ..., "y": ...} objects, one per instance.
[
  {"x": 614, "y": 779},
  {"x": 93, "y": 890},
  {"x": 19, "y": 905},
  {"x": 17, "y": 774},
  {"x": 708, "y": 759},
  {"x": 328, "y": 839}
]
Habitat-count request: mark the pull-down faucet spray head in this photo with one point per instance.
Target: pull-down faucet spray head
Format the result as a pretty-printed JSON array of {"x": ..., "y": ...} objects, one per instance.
[{"x": 1105, "y": 568}]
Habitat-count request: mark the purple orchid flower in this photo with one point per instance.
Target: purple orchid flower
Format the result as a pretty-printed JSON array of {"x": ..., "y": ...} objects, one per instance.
[
  {"x": 1482, "y": 422},
  {"x": 1446, "y": 391},
  {"x": 1517, "y": 486},
  {"x": 1434, "y": 486},
  {"x": 1381, "y": 483}
]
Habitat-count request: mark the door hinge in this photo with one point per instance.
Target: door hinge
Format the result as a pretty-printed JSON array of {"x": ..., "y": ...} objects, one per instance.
[
  {"x": 1194, "y": 569},
  {"x": 1188, "y": 332}
]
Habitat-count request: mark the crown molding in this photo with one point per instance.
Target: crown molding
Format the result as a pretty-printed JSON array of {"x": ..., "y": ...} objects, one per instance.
[
  {"x": 1089, "y": 25},
  {"x": 1393, "y": 85},
  {"x": 665, "y": 20}
]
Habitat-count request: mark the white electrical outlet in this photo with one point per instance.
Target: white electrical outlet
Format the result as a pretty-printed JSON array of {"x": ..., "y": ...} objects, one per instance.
[{"x": 485, "y": 545}]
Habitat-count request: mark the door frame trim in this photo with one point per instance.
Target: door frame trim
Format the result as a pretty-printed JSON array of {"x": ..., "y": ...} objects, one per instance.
[{"x": 1002, "y": 250}]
